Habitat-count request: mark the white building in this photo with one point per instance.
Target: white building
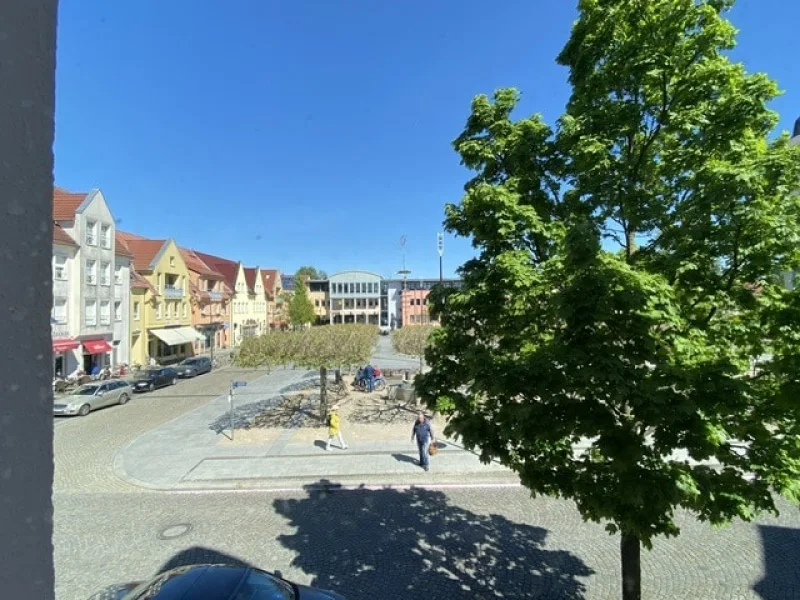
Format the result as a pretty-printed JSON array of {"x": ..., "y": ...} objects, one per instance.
[
  {"x": 64, "y": 316},
  {"x": 122, "y": 301},
  {"x": 355, "y": 297},
  {"x": 90, "y": 288}
]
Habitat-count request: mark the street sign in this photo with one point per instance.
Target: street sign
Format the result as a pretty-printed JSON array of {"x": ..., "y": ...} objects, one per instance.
[{"x": 237, "y": 384}]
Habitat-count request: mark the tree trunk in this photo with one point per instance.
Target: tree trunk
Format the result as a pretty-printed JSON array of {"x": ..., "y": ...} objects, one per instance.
[
  {"x": 630, "y": 553},
  {"x": 323, "y": 393}
]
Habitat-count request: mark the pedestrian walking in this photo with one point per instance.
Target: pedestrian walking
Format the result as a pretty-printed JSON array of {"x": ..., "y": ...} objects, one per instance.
[
  {"x": 334, "y": 428},
  {"x": 423, "y": 433}
]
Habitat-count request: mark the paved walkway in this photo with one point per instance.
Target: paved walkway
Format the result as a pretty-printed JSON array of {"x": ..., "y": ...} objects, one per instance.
[{"x": 186, "y": 453}]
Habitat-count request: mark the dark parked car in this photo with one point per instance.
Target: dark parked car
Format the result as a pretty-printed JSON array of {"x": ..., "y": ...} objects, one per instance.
[
  {"x": 192, "y": 367},
  {"x": 215, "y": 582},
  {"x": 155, "y": 377}
]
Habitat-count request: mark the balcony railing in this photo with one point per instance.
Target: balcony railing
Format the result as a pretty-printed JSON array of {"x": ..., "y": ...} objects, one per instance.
[
  {"x": 215, "y": 296},
  {"x": 173, "y": 292}
]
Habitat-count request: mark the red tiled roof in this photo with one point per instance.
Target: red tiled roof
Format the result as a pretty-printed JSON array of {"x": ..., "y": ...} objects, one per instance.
[
  {"x": 195, "y": 263},
  {"x": 62, "y": 237},
  {"x": 140, "y": 283},
  {"x": 66, "y": 203},
  {"x": 270, "y": 276},
  {"x": 228, "y": 268},
  {"x": 250, "y": 278},
  {"x": 121, "y": 246},
  {"x": 143, "y": 250}
]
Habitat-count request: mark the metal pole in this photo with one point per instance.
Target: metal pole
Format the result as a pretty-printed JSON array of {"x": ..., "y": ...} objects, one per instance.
[{"x": 230, "y": 399}]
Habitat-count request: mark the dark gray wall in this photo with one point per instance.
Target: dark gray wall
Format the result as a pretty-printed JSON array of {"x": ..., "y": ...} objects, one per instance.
[{"x": 27, "y": 88}]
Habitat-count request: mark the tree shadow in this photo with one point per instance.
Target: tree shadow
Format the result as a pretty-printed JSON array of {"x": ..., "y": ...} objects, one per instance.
[
  {"x": 414, "y": 544},
  {"x": 781, "y": 556}
]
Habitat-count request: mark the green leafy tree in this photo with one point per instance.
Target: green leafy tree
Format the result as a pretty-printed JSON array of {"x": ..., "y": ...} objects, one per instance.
[
  {"x": 589, "y": 370},
  {"x": 308, "y": 272},
  {"x": 301, "y": 309}
]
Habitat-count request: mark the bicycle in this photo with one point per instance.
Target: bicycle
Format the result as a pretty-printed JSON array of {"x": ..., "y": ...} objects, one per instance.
[{"x": 379, "y": 384}]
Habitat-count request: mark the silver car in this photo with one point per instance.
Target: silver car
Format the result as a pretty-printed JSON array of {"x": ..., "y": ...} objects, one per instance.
[{"x": 92, "y": 396}]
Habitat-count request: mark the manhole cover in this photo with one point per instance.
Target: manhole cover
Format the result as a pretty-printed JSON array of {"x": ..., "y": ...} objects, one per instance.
[{"x": 174, "y": 531}]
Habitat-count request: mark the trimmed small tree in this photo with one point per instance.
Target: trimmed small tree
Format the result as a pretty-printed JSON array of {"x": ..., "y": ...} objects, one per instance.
[
  {"x": 588, "y": 370},
  {"x": 324, "y": 348},
  {"x": 412, "y": 341}
]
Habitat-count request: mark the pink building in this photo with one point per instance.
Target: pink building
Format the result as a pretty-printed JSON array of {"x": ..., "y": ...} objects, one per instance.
[{"x": 415, "y": 308}]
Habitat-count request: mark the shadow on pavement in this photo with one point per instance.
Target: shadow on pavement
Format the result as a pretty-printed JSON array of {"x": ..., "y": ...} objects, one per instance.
[
  {"x": 781, "y": 555},
  {"x": 414, "y": 544},
  {"x": 404, "y": 458}
]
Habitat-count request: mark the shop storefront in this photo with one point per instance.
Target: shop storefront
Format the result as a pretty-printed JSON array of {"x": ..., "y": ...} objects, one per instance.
[
  {"x": 96, "y": 352},
  {"x": 62, "y": 351},
  {"x": 172, "y": 345}
]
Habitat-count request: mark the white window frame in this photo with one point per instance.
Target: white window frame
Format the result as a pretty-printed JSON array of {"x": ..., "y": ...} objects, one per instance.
[
  {"x": 62, "y": 319},
  {"x": 105, "y": 319},
  {"x": 169, "y": 310},
  {"x": 90, "y": 313},
  {"x": 184, "y": 310},
  {"x": 118, "y": 311},
  {"x": 136, "y": 310},
  {"x": 105, "y": 241},
  {"x": 91, "y": 271},
  {"x": 60, "y": 268},
  {"x": 90, "y": 235},
  {"x": 117, "y": 274},
  {"x": 105, "y": 273}
]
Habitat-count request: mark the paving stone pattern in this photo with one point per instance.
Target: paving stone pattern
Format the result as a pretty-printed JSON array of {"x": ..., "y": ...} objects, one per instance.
[{"x": 439, "y": 545}]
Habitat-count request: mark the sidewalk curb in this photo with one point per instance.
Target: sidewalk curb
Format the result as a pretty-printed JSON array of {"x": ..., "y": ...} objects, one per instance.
[{"x": 119, "y": 470}]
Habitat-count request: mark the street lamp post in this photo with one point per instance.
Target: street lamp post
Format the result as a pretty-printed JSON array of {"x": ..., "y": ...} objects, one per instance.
[{"x": 440, "y": 248}]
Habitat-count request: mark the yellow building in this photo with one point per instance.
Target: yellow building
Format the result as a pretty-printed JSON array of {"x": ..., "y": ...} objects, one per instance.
[{"x": 160, "y": 315}]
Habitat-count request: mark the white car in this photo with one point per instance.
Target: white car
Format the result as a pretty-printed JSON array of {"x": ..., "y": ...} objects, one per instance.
[{"x": 92, "y": 396}]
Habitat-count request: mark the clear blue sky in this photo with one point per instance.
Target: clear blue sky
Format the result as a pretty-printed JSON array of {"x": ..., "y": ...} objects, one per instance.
[{"x": 314, "y": 132}]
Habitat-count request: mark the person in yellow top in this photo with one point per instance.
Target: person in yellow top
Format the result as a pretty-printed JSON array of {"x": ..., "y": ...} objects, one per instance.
[{"x": 334, "y": 429}]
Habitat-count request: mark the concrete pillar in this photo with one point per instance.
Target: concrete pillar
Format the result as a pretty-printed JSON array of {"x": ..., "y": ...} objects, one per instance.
[{"x": 27, "y": 48}]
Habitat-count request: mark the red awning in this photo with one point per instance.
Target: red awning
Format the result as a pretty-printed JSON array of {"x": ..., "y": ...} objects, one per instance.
[
  {"x": 63, "y": 345},
  {"x": 97, "y": 346}
]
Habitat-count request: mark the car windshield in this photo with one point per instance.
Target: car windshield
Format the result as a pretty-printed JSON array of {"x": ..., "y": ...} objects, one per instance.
[
  {"x": 148, "y": 374},
  {"x": 86, "y": 390}
]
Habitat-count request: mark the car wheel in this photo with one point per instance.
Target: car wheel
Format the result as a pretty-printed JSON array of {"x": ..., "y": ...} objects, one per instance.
[
  {"x": 84, "y": 410},
  {"x": 123, "y": 399},
  {"x": 151, "y": 387},
  {"x": 174, "y": 381}
]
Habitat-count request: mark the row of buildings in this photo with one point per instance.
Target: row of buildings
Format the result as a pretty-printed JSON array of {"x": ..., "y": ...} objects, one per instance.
[{"x": 121, "y": 298}]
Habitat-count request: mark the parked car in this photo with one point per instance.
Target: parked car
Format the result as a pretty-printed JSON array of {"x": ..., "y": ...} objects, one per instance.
[
  {"x": 192, "y": 367},
  {"x": 91, "y": 396},
  {"x": 154, "y": 377},
  {"x": 215, "y": 582}
]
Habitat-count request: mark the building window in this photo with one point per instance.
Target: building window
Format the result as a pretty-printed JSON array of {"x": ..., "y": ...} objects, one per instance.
[
  {"x": 118, "y": 274},
  {"x": 91, "y": 272},
  {"x": 60, "y": 311},
  {"x": 158, "y": 287},
  {"x": 105, "y": 312},
  {"x": 91, "y": 233},
  {"x": 90, "y": 314},
  {"x": 118, "y": 311},
  {"x": 60, "y": 267},
  {"x": 136, "y": 311},
  {"x": 184, "y": 310},
  {"x": 105, "y": 236},
  {"x": 171, "y": 261},
  {"x": 158, "y": 311},
  {"x": 169, "y": 309},
  {"x": 105, "y": 273}
]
